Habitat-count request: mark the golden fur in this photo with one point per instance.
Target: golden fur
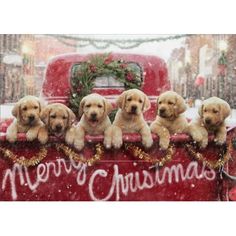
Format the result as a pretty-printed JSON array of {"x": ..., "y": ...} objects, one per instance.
[
  {"x": 26, "y": 112},
  {"x": 170, "y": 119},
  {"x": 94, "y": 110},
  {"x": 129, "y": 119},
  {"x": 213, "y": 113},
  {"x": 57, "y": 119}
]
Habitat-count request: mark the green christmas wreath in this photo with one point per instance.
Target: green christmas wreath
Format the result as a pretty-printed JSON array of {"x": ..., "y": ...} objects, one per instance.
[{"x": 84, "y": 74}]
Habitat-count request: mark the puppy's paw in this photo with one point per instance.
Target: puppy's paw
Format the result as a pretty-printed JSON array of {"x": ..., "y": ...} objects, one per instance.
[
  {"x": 43, "y": 137},
  {"x": 203, "y": 143},
  {"x": 220, "y": 140},
  {"x": 147, "y": 142},
  {"x": 164, "y": 143},
  {"x": 107, "y": 143},
  {"x": 197, "y": 136},
  {"x": 117, "y": 142},
  {"x": 11, "y": 137},
  {"x": 79, "y": 144},
  {"x": 69, "y": 138},
  {"x": 31, "y": 135}
]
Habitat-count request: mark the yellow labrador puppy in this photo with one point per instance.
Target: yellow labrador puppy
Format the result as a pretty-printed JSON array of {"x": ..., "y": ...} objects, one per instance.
[
  {"x": 27, "y": 119},
  {"x": 129, "y": 119},
  {"x": 94, "y": 110},
  {"x": 57, "y": 119},
  {"x": 170, "y": 119},
  {"x": 213, "y": 113}
]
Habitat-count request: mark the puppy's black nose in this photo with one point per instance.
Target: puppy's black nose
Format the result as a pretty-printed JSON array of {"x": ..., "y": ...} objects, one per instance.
[
  {"x": 133, "y": 108},
  {"x": 31, "y": 118},
  {"x": 58, "y": 127},
  {"x": 208, "y": 121},
  {"x": 94, "y": 116},
  {"x": 162, "y": 110}
]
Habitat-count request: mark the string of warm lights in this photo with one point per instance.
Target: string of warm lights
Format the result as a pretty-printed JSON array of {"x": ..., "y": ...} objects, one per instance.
[{"x": 105, "y": 43}]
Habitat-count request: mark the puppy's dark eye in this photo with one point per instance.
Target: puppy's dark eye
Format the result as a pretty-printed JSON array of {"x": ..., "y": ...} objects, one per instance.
[
  {"x": 64, "y": 117},
  {"x": 170, "y": 103},
  {"x": 160, "y": 102},
  {"x": 205, "y": 110},
  {"x": 53, "y": 116},
  {"x": 140, "y": 101},
  {"x": 35, "y": 107},
  {"x": 100, "y": 106},
  {"x": 129, "y": 99},
  {"x": 214, "y": 111},
  {"x": 24, "y": 109},
  {"x": 89, "y": 105}
]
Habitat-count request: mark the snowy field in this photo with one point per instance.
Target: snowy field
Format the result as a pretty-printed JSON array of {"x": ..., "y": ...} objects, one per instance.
[{"x": 191, "y": 113}]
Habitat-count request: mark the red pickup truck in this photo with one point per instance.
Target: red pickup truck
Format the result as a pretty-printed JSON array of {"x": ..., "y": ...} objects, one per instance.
[{"x": 131, "y": 173}]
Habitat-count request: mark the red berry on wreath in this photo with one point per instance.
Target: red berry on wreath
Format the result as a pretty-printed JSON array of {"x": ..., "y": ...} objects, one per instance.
[
  {"x": 123, "y": 65},
  {"x": 92, "y": 68},
  {"x": 129, "y": 76}
]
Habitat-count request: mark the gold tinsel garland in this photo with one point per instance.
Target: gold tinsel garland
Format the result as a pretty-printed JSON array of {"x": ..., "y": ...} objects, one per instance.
[
  {"x": 99, "y": 149},
  {"x": 142, "y": 155},
  {"x": 223, "y": 159},
  {"x": 33, "y": 161}
]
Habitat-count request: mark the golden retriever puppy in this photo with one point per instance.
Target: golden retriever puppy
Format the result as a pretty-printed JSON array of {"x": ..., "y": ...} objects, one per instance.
[
  {"x": 94, "y": 110},
  {"x": 129, "y": 119},
  {"x": 170, "y": 119},
  {"x": 57, "y": 119},
  {"x": 27, "y": 119},
  {"x": 213, "y": 113}
]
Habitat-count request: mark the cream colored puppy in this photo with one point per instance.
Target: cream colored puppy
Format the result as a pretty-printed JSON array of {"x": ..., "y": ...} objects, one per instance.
[
  {"x": 57, "y": 119},
  {"x": 94, "y": 110},
  {"x": 170, "y": 119},
  {"x": 129, "y": 119},
  {"x": 26, "y": 112},
  {"x": 213, "y": 113}
]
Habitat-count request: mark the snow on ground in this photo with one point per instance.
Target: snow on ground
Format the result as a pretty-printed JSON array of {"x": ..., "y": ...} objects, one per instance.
[{"x": 191, "y": 113}]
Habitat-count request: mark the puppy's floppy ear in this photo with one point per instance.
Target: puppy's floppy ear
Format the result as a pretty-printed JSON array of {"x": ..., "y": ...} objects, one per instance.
[
  {"x": 44, "y": 114},
  {"x": 107, "y": 107},
  {"x": 225, "y": 110},
  {"x": 16, "y": 110},
  {"x": 180, "y": 105},
  {"x": 146, "y": 103},
  {"x": 121, "y": 100},
  {"x": 81, "y": 106},
  {"x": 71, "y": 116},
  {"x": 200, "y": 110}
]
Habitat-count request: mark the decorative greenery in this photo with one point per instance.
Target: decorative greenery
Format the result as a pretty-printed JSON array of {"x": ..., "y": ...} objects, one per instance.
[
  {"x": 222, "y": 60},
  {"x": 84, "y": 74}
]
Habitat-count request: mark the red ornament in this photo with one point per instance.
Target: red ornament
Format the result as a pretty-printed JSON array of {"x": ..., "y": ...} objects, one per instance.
[
  {"x": 129, "y": 76},
  {"x": 92, "y": 68},
  {"x": 108, "y": 60},
  {"x": 199, "y": 81}
]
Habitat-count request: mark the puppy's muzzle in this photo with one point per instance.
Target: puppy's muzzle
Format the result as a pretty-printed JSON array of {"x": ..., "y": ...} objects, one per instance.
[
  {"x": 133, "y": 109},
  {"x": 208, "y": 121},
  {"x": 93, "y": 117},
  {"x": 58, "y": 128},
  {"x": 31, "y": 119},
  {"x": 162, "y": 112}
]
